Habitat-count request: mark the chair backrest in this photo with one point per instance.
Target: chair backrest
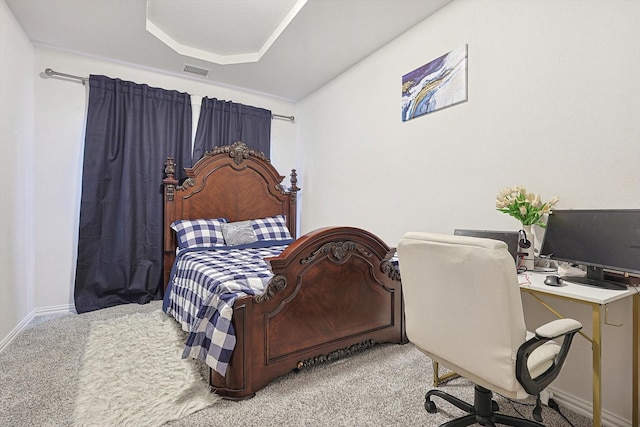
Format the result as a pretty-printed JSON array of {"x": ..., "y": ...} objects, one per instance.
[{"x": 463, "y": 306}]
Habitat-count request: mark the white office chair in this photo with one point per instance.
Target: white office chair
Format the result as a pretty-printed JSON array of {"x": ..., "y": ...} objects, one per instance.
[{"x": 476, "y": 325}]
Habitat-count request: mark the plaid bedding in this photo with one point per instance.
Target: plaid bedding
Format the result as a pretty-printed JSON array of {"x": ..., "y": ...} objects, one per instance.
[{"x": 203, "y": 288}]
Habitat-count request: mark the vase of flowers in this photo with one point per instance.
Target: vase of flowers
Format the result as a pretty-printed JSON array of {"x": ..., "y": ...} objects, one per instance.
[{"x": 529, "y": 209}]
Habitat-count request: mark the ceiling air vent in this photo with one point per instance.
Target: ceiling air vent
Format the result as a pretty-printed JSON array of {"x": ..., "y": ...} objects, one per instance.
[{"x": 196, "y": 70}]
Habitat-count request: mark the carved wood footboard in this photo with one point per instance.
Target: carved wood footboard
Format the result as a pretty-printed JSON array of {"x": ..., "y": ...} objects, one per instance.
[{"x": 334, "y": 291}]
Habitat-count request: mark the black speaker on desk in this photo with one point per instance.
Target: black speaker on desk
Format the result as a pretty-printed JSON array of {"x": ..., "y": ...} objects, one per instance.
[{"x": 511, "y": 238}]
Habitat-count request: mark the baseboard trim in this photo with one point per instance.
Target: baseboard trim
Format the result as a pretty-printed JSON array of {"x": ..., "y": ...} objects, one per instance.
[
  {"x": 38, "y": 312},
  {"x": 22, "y": 325},
  {"x": 56, "y": 309},
  {"x": 585, "y": 408}
]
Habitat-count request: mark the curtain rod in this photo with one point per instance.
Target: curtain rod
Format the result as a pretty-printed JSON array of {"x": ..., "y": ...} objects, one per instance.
[{"x": 49, "y": 72}]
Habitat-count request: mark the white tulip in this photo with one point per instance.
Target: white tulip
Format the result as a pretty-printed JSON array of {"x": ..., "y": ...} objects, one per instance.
[{"x": 536, "y": 201}]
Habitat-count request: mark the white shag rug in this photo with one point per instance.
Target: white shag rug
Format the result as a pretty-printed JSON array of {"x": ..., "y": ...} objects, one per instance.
[{"x": 132, "y": 374}]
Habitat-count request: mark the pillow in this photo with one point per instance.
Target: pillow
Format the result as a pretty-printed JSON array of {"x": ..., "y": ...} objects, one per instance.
[
  {"x": 271, "y": 228},
  {"x": 199, "y": 232},
  {"x": 238, "y": 233}
]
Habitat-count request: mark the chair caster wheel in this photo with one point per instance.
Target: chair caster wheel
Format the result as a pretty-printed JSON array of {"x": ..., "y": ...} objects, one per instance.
[
  {"x": 494, "y": 406},
  {"x": 430, "y": 407}
]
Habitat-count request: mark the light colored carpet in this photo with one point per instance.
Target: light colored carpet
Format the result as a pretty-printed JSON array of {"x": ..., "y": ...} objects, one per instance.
[
  {"x": 385, "y": 385},
  {"x": 132, "y": 374}
]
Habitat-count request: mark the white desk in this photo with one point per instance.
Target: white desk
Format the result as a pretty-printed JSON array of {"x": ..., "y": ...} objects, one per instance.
[{"x": 533, "y": 284}]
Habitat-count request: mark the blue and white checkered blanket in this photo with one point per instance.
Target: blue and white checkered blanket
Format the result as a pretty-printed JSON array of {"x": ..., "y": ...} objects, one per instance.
[{"x": 203, "y": 288}]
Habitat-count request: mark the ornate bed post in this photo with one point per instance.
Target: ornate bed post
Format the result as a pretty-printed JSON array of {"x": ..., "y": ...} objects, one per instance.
[
  {"x": 293, "y": 210},
  {"x": 169, "y": 182}
]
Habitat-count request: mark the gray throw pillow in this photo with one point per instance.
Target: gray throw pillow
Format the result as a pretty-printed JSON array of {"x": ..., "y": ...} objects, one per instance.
[{"x": 238, "y": 233}]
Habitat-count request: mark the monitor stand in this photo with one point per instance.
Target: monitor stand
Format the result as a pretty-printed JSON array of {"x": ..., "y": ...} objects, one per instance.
[{"x": 595, "y": 277}]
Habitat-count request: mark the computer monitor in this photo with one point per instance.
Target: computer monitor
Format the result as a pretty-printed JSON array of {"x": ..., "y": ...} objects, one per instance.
[
  {"x": 509, "y": 237},
  {"x": 598, "y": 239}
]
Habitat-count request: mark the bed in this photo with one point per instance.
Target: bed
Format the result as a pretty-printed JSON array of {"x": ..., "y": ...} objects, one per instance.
[{"x": 329, "y": 293}]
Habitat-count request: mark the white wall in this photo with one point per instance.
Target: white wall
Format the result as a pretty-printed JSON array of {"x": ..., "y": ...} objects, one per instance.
[
  {"x": 553, "y": 104},
  {"x": 16, "y": 184}
]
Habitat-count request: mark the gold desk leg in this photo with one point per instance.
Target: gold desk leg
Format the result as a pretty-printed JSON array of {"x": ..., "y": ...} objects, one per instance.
[
  {"x": 597, "y": 365},
  {"x": 635, "y": 355},
  {"x": 437, "y": 379}
]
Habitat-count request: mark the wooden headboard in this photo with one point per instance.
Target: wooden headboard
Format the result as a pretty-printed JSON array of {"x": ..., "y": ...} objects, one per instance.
[{"x": 232, "y": 182}]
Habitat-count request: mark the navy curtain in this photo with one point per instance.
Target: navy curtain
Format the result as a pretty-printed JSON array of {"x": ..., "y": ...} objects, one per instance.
[
  {"x": 225, "y": 122},
  {"x": 131, "y": 129}
]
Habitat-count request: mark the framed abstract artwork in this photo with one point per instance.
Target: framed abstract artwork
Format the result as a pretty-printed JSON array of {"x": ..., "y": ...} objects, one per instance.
[{"x": 438, "y": 84}]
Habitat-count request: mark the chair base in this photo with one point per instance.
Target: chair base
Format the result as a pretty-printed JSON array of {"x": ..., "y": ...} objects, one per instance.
[{"x": 483, "y": 411}]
